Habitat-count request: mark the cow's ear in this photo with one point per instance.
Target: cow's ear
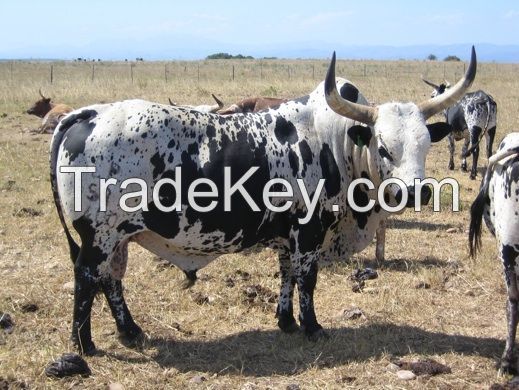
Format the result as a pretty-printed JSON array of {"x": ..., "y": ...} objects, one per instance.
[
  {"x": 438, "y": 130},
  {"x": 361, "y": 135}
]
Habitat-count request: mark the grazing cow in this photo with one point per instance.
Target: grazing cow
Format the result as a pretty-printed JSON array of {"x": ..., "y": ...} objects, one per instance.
[
  {"x": 498, "y": 203},
  {"x": 277, "y": 178},
  {"x": 252, "y": 104},
  {"x": 203, "y": 107},
  {"x": 50, "y": 112},
  {"x": 473, "y": 117}
]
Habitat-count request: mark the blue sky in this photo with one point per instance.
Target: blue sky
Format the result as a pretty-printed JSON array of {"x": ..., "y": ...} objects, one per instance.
[{"x": 66, "y": 29}]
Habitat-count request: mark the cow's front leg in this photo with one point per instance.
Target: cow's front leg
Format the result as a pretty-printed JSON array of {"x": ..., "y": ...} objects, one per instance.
[
  {"x": 129, "y": 331},
  {"x": 306, "y": 277},
  {"x": 452, "y": 148},
  {"x": 285, "y": 309},
  {"x": 508, "y": 360},
  {"x": 381, "y": 241}
]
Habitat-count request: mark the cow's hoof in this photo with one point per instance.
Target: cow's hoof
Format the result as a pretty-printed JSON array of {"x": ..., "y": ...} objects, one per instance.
[
  {"x": 472, "y": 176},
  {"x": 85, "y": 348},
  {"x": 132, "y": 338},
  {"x": 464, "y": 168},
  {"x": 451, "y": 166},
  {"x": 289, "y": 326},
  {"x": 507, "y": 368}
]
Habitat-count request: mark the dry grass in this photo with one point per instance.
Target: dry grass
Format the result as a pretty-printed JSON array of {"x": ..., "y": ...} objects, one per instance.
[{"x": 230, "y": 342}]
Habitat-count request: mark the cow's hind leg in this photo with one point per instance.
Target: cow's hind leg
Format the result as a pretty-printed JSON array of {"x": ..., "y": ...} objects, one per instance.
[
  {"x": 306, "y": 277},
  {"x": 285, "y": 309},
  {"x": 111, "y": 283},
  {"x": 129, "y": 331},
  {"x": 452, "y": 148},
  {"x": 474, "y": 138},
  {"x": 464, "y": 149},
  {"x": 491, "y": 133},
  {"x": 86, "y": 285},
  {"x": 508, "y": 361}
]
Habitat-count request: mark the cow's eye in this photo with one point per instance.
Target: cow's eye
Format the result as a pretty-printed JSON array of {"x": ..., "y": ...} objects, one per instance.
[{"x": 384, "y": 153}]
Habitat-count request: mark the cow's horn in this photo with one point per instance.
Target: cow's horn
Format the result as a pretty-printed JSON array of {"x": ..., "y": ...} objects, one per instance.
[
  {"x": 171, "y": 103},
  {"x": 341, "y": 106},
  {"x": 41, "y": 94},
  {"x": 218, "y": 101},
  {"x": 452, "y": 95},
  {"x": 430, "y": 84}
]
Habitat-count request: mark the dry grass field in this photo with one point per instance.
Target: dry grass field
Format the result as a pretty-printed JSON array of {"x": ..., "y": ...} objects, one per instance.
[{"x": 214, "y": 335}]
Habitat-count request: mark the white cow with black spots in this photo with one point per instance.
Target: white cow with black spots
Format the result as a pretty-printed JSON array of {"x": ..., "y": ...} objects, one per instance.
[
  {"x": 324, "y": 135},
  {"x": 498, "y": 203},
  {"x": 472, "y": 118}
]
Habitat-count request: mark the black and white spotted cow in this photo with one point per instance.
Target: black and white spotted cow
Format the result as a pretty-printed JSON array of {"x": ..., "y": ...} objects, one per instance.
[
  {"x": 473, "y": 117},
  {"x": 498, "y": 203},
  {"x": 317, "y": 136}
]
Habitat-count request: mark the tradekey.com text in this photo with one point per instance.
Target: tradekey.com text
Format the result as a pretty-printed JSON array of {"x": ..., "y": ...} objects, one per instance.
[{"x": 139, "y": 198}]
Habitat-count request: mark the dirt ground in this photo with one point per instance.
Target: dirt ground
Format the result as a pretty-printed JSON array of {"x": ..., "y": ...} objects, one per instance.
[{"x": 429, "y": 301}]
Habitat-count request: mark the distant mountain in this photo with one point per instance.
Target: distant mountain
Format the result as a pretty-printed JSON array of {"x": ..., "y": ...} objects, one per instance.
[
  {"x": 190, "y": 48},
  {"x": 485, "y": 52}
]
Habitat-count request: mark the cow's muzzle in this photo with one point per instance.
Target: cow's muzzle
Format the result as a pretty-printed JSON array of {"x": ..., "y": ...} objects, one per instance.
[{"x": 425, "y": 195}]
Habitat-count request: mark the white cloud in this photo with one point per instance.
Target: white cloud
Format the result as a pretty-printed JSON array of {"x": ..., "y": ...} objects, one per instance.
[
  {"x": 318, "y": 19},
  {"x": 447, "y": 19},
  {"x": 512, "y": 14}
]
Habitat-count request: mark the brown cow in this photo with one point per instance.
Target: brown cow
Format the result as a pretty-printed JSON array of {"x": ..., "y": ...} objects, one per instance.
[
  {"x": 252, "y": 104},
  {"x": 50, "y": 112}
]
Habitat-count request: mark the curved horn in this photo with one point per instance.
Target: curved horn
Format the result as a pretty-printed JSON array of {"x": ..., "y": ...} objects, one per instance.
[
  {"x": 171, "y": 103},
  {"x": 452, "y": 95},
  {"x": 430, "y": 84},
  {"x": 41, "y": 94},
  {"x": 218, "y": 101},
  {"x": 341, "y": 106}
]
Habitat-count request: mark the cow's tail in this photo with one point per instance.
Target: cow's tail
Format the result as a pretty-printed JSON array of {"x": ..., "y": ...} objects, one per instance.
[
  {"x": 485, "y": 129},
  {"x": 57, "y": 138},
  {"x": 478, "y": 206}
]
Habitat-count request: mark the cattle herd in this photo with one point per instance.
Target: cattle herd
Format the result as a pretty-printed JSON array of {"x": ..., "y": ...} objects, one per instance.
[{"x": 259, "y": 166}]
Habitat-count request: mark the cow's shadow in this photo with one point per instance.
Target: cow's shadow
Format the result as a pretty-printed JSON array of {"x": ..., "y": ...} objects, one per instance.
[
  {"x": 399, "y": 264},
  {"x": 265, "y": 353},
  {"x": 420, "y": 225}
]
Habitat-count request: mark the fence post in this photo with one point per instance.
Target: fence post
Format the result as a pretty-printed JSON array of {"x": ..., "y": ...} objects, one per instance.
[
  {"x": 93, "y": 72},
  {"x": 166, "y": 73},
  {"x": 233, "y": 73},
  {"x": 131, "y": 72},
  {"x": 261, "y": 70},
  {"x": 51, "y": 73}
]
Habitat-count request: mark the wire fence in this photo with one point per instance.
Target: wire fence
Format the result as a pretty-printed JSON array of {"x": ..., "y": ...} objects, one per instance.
[{"x": 19, "y": 72}]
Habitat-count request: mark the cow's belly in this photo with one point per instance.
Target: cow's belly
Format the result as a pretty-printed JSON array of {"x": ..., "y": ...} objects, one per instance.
[{"x": 185, "y": 258}]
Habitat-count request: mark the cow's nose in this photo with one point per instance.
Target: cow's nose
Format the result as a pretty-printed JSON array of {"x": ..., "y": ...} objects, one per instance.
[{"x": 425, "y": 195}]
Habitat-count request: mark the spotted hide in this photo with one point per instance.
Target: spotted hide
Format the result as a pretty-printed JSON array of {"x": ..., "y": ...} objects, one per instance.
[
  {"x": 498, "y": 204},
  {"x": 317, "y": 136},
  {"x": 472, "y": 118}
]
